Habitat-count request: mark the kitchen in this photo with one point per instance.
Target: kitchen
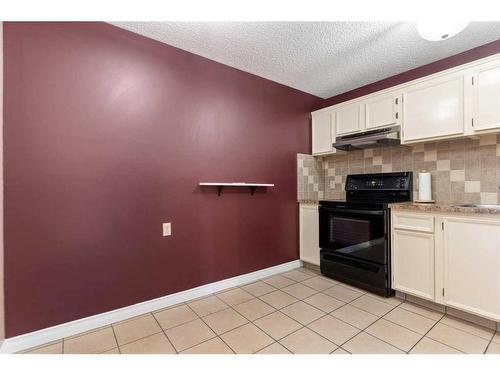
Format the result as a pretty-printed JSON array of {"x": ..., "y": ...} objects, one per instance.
[
  {"x": 441, "y": 128},
  {"x": 180, "y": 187}
]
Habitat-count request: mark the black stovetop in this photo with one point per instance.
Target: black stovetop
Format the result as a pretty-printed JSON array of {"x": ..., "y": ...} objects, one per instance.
[{"x": 375, "y": 190}]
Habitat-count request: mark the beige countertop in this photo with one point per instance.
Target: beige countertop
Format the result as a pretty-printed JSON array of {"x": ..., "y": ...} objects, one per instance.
[
  {"x": 445, "y": 208},
  {"x": 307, "y": 201}
]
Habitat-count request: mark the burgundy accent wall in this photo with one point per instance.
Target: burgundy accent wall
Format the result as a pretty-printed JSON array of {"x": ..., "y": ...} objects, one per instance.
[
  {"x": 107, "y": 135},
  {"x": 422, "y": 71}
]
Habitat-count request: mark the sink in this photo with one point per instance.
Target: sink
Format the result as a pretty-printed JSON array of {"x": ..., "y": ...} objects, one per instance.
[{"x": 472, "y": 205}]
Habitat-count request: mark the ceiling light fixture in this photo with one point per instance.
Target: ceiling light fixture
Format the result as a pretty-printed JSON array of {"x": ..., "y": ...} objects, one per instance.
[{"x": 440, "y": 30}]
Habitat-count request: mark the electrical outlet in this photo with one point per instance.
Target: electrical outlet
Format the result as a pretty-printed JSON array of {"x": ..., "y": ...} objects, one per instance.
[{"x": 167, "y": 229}]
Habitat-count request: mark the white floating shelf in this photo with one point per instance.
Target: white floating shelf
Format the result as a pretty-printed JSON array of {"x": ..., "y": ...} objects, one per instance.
[{"x": 221, "y": 185}]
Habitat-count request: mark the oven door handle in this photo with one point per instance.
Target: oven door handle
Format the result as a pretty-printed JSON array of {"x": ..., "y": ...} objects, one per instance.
[{"x": 351, "y": 211}]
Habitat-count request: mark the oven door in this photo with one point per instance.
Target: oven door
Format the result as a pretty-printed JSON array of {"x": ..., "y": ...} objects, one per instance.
[{"x": 356, "y": 233}]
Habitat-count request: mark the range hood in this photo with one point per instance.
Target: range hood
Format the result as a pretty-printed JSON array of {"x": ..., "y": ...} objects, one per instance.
[{"x": 369, "y": 139}]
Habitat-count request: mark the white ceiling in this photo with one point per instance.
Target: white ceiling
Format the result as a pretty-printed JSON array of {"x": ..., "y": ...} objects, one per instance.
[{"x": 321, "y": 58}]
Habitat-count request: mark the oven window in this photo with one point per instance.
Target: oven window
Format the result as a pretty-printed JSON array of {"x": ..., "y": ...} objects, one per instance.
[
  {"x": 346, "y": 231},
  {"x": 359, "y": 235}
]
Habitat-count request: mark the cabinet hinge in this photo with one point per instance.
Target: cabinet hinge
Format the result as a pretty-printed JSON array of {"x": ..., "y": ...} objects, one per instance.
[
  {"x": 397, "y": 115},
  {"x": 473, "y": 81},
  {"x": 442, "y": 225},
  {"x": 473, "y": 121},
  {"x": 443, "y": 292},
  {"x": 397, "y": 99}
]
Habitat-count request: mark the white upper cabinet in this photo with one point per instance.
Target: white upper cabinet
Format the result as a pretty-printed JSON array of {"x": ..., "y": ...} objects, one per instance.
[
  {"x": 461, "y": 101},
  {"x": 434, "y": 108},
  {"x": 383, "y": 111},
  {"x": 322, "y": 133},
  {"x": 349, "y": 119},
  {"x": 486, "y": 97}
]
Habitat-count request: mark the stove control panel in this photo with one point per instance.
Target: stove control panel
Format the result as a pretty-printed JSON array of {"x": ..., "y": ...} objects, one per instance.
[{"x": 379, "y": 181}]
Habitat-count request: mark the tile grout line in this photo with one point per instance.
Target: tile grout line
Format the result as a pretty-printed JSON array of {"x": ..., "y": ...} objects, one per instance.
[
  {"x": 439, "y": 342},
  {"x": 267, "y": 334},
  {"x": 408, "y": 328},
  {"x": 306, "y": 326},
  {"x": 279, "y": 310},
  {"x": 417, "y": 305},
  {"x": 275, "y": 342},
  {"x": 227, "y": 307},
  {"x": 425, "y": 334},
  {"x": 470, "y": 333},
  {"x": 165, "y": 333},
  {"x": 364, "y": 330},
  {"x": 489, "y": 343},
  {"x": 345, "y": 303},
  {"x": 116, "y": 339},
  {"x": 451, "y": 346},
  {"x": 216, "y": 335},
  {"x": 301, "y": 325}
]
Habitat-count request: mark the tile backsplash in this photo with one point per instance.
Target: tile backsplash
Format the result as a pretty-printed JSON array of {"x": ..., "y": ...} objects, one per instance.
[{"x": 463, "y": 170}]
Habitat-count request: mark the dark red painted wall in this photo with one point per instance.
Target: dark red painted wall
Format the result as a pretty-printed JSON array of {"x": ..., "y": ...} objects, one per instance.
[
  {"x": 107, "y": 135},
  {"x": 422, "y": 71}
]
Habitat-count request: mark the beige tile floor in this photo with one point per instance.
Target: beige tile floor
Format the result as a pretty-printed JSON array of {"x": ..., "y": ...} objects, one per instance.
[{"x": 298, "y": 311}]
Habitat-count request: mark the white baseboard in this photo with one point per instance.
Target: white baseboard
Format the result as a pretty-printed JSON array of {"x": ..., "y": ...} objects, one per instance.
[{"x": 46, "y": 335}]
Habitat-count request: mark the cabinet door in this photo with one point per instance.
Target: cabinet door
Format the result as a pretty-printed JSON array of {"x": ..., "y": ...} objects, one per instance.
[
  {"x": 309, "y": 233},
  {"x": 322, "y": 136},
  {"x": 413, "y": 263},
  {"x": 348, "y": 119},
  {"x": 472, "y": 265},
  {"x": 434, "y": 109},
  {"x": 486, "y": 97},
  {"x": 383, "y": 111}
]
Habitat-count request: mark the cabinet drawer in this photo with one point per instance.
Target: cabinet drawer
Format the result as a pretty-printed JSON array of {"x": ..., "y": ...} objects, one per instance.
[{"x": 411, "y": 221}]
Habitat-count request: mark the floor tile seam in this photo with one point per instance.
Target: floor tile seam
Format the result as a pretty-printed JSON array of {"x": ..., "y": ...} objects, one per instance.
[
  {"x": 470, "y": 333},
  {"x": 116, "y": 338},
  {"x": 296, "y": 269},
  {"x": 249, "y": 320},
  {"x": 300, "y": 299},
  {"x": 408, "y": 328},
  {"x": 384, "y": 341},
  {"x": 489, "y": 343},
  {"x": 304, "y": 300},
  {"x": 364, "y": 330},
  {"x": 165, "y": 333},
  {"x": 83, "y": 334},
  {"x": 451, "y": 346},
  {"x": 267, "y": 346},
  {"x": 401, "y": 305}
]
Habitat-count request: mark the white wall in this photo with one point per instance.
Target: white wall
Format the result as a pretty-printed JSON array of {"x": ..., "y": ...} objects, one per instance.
[{"x": 2, "y": 316}]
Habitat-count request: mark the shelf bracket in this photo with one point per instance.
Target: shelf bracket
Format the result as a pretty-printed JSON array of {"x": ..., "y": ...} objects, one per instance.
[
  {"x": 252, "y": 189},
  {"x": 219, "y": 190}
]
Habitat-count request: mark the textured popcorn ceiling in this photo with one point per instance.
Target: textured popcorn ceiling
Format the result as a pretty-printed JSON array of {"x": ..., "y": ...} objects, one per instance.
[{"x": 321, "y": 58}]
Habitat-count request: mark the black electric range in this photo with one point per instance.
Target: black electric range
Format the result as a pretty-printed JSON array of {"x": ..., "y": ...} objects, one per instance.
[{"x": 354, "y": 235}]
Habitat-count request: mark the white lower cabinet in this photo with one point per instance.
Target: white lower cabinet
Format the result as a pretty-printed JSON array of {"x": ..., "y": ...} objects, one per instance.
[
  {"x": 413, "y": 263},
  {"x": 472, "y": 265},
  {"x": 309, "y": 233},
  {"x": 456, "y": 263}
]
